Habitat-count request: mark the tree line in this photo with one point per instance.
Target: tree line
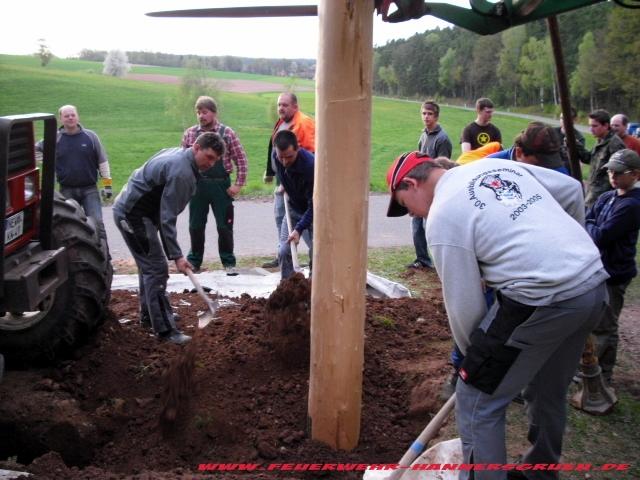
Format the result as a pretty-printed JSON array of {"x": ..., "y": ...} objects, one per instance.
[
  {"x": 515, "y": 68},
  {"x": 600, "y": 44},
  {"x": 283, "y": 67}
]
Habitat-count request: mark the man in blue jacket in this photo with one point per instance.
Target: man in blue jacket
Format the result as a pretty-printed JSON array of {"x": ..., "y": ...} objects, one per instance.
[
  {"x": 613, "y": 223},
  {"x": 294, "y": 168}
]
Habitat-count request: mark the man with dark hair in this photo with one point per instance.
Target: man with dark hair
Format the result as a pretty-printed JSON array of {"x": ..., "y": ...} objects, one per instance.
[
  {"x": 435, "y": 142},
  {"x": 620, "y": 124},
  {"x": 495, "y": 220},
  {"x": 295, "y": 171},
  {"x": 481, "y": 131},
  {"x": 148, "y": 206},
  {"x": 539, "y": 145},
  {"x": 215, "y": 190},
  {"x": 607, "y": 143},
  {"x": 304, "y": 127}
]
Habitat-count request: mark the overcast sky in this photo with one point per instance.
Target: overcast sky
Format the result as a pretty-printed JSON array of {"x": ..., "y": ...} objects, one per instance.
[{"x": 69, "y": 26}]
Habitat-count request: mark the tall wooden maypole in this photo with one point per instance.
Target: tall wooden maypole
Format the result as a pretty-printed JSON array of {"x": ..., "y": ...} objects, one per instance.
[{"x": 341, "y": 191}]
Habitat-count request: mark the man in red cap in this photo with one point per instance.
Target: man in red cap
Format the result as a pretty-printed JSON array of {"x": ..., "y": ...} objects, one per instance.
[{"x": 519, "y": 228}]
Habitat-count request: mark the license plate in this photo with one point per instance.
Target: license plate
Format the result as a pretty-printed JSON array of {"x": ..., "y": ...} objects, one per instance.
[{"x": 13, "y": 227}]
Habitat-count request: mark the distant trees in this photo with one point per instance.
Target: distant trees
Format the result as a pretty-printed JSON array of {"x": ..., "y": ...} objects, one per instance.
[
  {"x": 585, "y": 78},
  {"x": 515, "y": 67},
  {"x": 301, "y": 67},
  {"x": 44, "y": 53},
  {"x": 116, "y": 64}
]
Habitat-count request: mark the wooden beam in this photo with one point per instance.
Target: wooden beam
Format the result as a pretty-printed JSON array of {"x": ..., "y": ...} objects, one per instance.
[
  {"x": 565, "y": 100},
  {"x": 341, "y": 193}
]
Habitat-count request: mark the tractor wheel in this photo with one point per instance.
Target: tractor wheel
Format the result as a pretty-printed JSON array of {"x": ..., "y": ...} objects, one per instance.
[{"x": 77, "y": 307}]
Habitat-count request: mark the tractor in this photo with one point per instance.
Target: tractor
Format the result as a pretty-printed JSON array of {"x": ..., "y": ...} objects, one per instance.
[{"x": 55, "y": 271}]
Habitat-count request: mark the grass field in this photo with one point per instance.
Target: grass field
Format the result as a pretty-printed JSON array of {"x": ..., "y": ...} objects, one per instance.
[{"x": 131, "y": 119}]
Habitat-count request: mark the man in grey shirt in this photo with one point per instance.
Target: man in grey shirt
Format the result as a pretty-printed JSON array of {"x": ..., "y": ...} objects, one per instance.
[
  {"x": 148, "y": 205},
  {"x": 435, "y": 143},
  {"x": 520, "y": 228}
]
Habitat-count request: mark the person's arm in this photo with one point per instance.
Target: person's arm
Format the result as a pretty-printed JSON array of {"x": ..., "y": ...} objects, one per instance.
[
  {"x": 175, "y": 197},
  {"x": 239, "y": 157},
  {"x": 103, "y": 165},
  {"x": 444, "y": 148},
  {"x": 187, "y": 140},
  {"x": 461, "y": 288},
  {"x": 625, "y": 219},
  {"x": 269, "y": 171},
  {"x": 307, "y": 218},
  {"x": 465, "y": 140}
]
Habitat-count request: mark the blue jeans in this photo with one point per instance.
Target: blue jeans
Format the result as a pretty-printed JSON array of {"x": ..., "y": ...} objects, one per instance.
[
  {"x": 278, "y": 211},
  {"x": 284, "y": 251},
  {"x": 420, "y": 241},
  {"x": 89, "y": 198}
]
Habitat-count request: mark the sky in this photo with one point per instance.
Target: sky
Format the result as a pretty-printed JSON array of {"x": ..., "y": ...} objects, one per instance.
[{"x": 70, "y": 26}]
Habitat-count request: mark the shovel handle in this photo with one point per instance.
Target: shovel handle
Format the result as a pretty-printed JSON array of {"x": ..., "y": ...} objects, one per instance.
[
  {"x": 196, "y": 284},
  {"x": 293, "y": 246},
  {"x": 430, "y": 431}
]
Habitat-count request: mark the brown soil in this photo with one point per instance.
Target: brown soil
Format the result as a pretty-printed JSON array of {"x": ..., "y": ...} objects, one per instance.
[{"x": 236, "y": 394}]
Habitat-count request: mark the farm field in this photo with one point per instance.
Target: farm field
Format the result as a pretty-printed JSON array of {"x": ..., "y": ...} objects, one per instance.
[{"x": 131, "y": 116}]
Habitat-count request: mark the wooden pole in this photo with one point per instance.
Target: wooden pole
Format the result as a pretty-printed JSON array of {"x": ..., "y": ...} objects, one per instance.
[
  {"x": 341, "y": 193},
  {"x": 565, "y": 101}
]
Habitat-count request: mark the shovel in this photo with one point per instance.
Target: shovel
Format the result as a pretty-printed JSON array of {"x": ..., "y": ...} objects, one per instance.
[
  {"x": 206, "y": 318},
  {"x": 294, "y": 246}
]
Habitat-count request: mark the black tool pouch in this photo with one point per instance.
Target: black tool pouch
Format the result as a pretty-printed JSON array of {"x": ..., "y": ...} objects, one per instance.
[{"x": 488, "y": 359}]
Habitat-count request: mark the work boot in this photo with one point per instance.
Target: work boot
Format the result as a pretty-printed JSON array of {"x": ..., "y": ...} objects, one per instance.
[
  {"x": 175, "y": 336},
  {"x": 271, "y": 263}
]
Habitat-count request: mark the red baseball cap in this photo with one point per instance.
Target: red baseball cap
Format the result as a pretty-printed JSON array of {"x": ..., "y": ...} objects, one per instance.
[{"x": 396, "y": 173}]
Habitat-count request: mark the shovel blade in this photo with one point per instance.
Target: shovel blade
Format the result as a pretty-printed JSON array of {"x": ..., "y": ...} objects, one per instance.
[{"x": 205, "y": 319}]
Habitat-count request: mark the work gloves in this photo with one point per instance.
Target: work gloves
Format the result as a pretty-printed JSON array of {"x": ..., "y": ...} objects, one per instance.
[{"x": 107, "y": 190}]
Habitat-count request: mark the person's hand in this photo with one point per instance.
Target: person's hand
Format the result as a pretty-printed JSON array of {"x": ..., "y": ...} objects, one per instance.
[
  {"x": 182, "y": 264},
  {"x": 107, "y": 191},
  {"x": 267, "y": 178},
  {"x": 294, "y": 237},
  {"x": 280, "y": 189},
  {"x": 233, "y": 190}
]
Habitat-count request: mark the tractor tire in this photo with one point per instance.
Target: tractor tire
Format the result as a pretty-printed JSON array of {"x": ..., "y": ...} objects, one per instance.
[{"x": 77, "y": 307}]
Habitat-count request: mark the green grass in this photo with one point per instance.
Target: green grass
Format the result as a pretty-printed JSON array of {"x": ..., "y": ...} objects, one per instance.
[{"x": 129, "y": 116}]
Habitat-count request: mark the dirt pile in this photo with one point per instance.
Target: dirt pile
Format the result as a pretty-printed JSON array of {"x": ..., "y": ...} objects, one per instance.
[{"x": 248, "y": 399}]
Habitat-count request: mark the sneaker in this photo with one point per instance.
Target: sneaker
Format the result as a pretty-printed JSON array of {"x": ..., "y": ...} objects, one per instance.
[
  {"x": 175, "y": 336},
  {"x": 271, "y": 264},
  {"x": 231, "y": 271},
  {"x": 417, "y": 264}
]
